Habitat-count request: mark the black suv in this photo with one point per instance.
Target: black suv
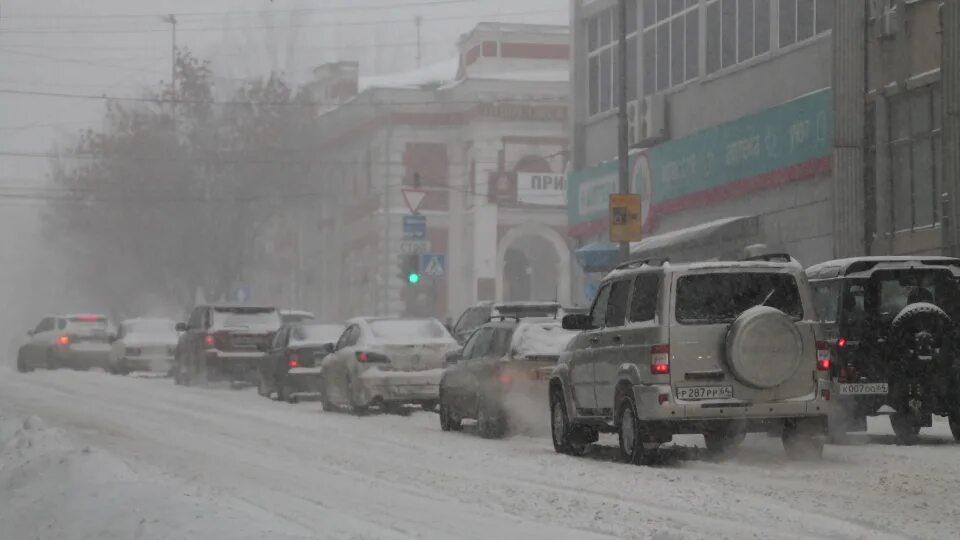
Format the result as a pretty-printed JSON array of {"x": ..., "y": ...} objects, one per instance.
[
  {"x": 224, "y": 342},
  {"x": 893, "y": 325}
]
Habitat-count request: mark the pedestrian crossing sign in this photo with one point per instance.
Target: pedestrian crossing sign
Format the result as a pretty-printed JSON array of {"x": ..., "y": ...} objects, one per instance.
[{"x": 433, "y": 264}]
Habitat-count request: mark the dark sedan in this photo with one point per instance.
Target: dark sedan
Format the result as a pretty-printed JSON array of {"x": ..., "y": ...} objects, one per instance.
[{"x": 291, "y": 368}]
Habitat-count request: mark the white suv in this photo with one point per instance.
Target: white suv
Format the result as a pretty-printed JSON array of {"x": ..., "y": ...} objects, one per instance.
[{"x": 718, "y": 348}]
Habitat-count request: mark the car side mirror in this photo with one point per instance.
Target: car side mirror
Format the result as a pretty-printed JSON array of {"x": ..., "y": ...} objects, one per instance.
[
  {"x": 453, "y": 357},
  {"x": 577, "y": 321},
  {"x": 181, "y": 327}
]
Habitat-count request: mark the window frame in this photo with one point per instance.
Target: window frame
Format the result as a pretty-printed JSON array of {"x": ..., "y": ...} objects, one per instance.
[
  {"x": 903, "y": 141},
  {"x": 604, "y": 288},
  {"x": 665, "y": 23},
  {"x": 606, "y": 56},
  {"x": 622, "y": 320},
  {"x": 657, "y": 281},
  {"x": 815, "y": 21}
]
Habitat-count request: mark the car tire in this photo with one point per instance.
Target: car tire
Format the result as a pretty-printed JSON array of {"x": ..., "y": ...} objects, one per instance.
[
  {"x": 490, "y": 424},
  {"x": 325, "y": 402},
  {"x": 22, "y": 365},
  {"x": 429, "y": 406},
  {"x": 722, "y": 444},
  {"x": 630, "y": 432},
  {"x": 801, "y": 444},
  {"x": 565, "y": 439},
  {"x": 262, "y": 389},
  {"x": 954, "y": 419},
  {"x": 199, "y": 376},
  {"x": 448, "y": 422},
  {"x": 905, "y": 428}
]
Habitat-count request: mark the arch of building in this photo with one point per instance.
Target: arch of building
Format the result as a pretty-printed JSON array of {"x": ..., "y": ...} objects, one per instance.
[{"x": 551, "y": 236}]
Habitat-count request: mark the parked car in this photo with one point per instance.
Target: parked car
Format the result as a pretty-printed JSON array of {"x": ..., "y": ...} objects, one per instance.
[
  {"x": 719, "y": 348},
  {"x": 500, "y": 377},
  {"x": 224, "y": 342},
  {"x": 67, "y": 341},
  {"x": 386, "y": 362},
  {"x": 893, "y": 325},
  {"x": 292, "y": 366},
  {"x": 475, "y": 316},
  {"x": 288, "y": 316},
  {"x": 144, "y": 345}
]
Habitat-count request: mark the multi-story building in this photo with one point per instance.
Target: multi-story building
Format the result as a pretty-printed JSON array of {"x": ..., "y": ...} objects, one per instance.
[
  {"x": 897, "y": 86},
  {"x": 484, "y": 135},
  {"x": 731, "y": 125}
]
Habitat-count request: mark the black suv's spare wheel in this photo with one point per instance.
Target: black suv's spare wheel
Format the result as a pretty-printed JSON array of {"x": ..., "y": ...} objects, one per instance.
[
  {"x": 919, "y": 330},
  {"x": 764, "y": 347}
]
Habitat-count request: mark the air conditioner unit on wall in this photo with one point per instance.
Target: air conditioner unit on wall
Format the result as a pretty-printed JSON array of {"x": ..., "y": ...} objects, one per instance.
[
  {"x": 647, "y": 120},
  {"x": 885, "y": 17}
]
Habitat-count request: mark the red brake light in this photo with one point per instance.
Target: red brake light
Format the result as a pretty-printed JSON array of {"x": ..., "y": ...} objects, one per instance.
[
  {"x": 362, "y": 357},
  {"x": 210, "y": 341},
  {"x": 293, "y": 361},
  {"x": 660, "y": 359},
  {"x": 823, "y": 356},
  {"x": 90, "y": 318},
  {"x": 63, "y": 341},
  {"x": 841, "y": 342},
  {"x": 505, "y": 378}
]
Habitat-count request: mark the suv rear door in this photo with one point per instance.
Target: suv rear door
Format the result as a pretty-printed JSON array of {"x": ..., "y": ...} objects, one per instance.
[{"x": 705, "y": 304}]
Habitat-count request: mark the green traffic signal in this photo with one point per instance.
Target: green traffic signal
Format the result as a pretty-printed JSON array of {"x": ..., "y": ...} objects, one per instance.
[{"x": 413, "y": 278}]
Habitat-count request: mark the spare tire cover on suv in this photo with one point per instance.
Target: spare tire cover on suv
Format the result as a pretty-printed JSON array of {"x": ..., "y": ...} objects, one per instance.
[{"x": 764, "y": 347}]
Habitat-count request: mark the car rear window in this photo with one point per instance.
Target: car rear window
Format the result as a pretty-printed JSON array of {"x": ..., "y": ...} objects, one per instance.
[
  {"x": 150, "y": 327},
  {"x": 87, "y": 323},
  {"x": 541, "y": 339},
  {"x": 721, "y": 297},
  {"x": 266, "y": 318},
  {"x": 318, "y": 333},
  {"x": 408, "y": 329}
]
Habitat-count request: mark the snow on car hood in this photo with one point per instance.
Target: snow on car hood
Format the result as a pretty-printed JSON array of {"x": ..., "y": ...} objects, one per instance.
[
  {"x": 540, "y": 339},
  {"x": 141, "y": 340}
]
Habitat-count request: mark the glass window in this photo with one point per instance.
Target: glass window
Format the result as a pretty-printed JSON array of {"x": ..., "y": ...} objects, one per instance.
[
  {"x": 663, "y": 10},
  {"x": 693, "y": 46},
  {"x": 45, "y": 325},
  {"x": 902, "y": 192},
  {"x": 677, "y": 55},
  {"x": 721, "y": 297},
  {"x": 606, "y": 69},
  {"x": 604, "y": 24},
  {"x": 728, "y": 32},
  {"x": 599, "y": 310},
  {"x": 745, "y": 25},
  {"x": 923, "y": 188},
  {"x": 649, "y": 13},
  {"x": 594, "y": 84},
  {"x": 500, "y": 344},
  {"x": 61, "y": 324},
  {"x": 632, "y": 16},
  {"x": 762, "y": 27},
  {"x": 643, "y": 304},
  {"x": 824, "y": 15},
  {"x": 617, "y": 304},
  {"x": 805, "y": 19},
  {"x": 788, "y": 22},
  {"x": 663, "y": 57},
  {"x": 826, "y": 300},
  {"x": 649, "y": 62},
  {"x": 713, "y": 37}
]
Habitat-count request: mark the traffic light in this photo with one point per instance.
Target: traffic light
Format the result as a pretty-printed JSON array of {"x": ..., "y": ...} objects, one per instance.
[{"x": 410, "y": 269}]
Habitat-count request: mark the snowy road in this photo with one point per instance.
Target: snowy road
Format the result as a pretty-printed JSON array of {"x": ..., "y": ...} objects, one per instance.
[{"x": 116, "y": 457}]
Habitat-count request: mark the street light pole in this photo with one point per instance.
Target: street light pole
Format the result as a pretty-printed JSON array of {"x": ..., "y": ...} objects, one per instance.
[
  {"x": 172, "y": 20},
  {"x": 623, "y": 143}
]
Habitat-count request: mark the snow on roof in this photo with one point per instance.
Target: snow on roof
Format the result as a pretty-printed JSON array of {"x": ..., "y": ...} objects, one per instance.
[
  {"x": 844, "y": 263},
  {"x": 665, "y": 239},
  {"x": 534, "y": 75},
  {"x": 438, "y": 73}
]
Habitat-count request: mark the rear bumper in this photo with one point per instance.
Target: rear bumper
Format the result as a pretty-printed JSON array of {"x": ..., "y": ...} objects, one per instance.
[
  {"x": 399, "y": 386},
  {"x": 156, "y": 364},
  {"x": 82, "y": 359},
  {"x": 649, "y": 408},
  {"x": 304, "y": 380}
]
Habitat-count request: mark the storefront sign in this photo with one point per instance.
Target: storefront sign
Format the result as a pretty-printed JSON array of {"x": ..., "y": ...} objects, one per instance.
[
  {"x": 788, "y": 142},
  {"x": 543, "y": 189}
]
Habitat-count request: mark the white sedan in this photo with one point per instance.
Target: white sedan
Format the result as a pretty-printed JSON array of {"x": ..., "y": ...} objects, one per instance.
[
  {"x": 387, "y": 363},
  {"x": 144, "y": 345}
]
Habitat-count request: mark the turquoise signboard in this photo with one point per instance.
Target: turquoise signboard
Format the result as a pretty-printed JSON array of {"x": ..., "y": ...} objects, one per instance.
[{"x": 791, "y": 141}]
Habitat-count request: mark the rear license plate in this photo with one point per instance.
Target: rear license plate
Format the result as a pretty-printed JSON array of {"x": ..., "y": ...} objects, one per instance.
[
  {"x": 704, "y": 392},
  {"x": 863, "y": 388}
]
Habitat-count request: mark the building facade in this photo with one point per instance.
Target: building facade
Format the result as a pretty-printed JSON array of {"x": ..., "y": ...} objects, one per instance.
[
  {"x": 896, "y": 150},
  {"x": 483, "y": 136},
  {"x": 731, "y": 115}
]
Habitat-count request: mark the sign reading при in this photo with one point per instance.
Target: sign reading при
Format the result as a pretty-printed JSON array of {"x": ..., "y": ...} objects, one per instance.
[{"x": 545, "y": 189}]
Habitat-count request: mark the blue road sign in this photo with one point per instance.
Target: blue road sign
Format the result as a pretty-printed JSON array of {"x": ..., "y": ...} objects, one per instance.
[
  {"x": 415, "y": 227},
  {"x": 433, "y": 264}
]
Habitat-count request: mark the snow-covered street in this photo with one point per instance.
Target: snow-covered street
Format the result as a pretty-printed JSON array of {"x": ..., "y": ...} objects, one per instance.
[{"x": 88, "y": 455}]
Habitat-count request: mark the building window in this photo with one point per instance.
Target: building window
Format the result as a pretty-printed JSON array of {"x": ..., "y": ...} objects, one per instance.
[
  {"x": 801, "y": 20},
  {"x": 915, "y": 153},
  {"x": 737, "y": 30},
  {"x": 671, "y": 43},
  {"x": 603, "y": 53}
]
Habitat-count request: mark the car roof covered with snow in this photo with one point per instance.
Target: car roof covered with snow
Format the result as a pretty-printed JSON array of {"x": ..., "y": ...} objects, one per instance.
[
  {"x": 851, "y": 265},
  {"x": 637, "y": 267}
]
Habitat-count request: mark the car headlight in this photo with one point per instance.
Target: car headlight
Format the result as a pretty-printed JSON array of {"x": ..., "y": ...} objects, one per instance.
[{"x": 132, "y": 351}]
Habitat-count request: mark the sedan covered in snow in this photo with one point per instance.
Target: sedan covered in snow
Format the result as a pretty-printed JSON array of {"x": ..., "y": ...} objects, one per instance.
[
  {"x": 500, "y": 377},
  {"x": 387, "y": 363},
  {"x": 144, "y": 345},
  {"x": 67, "y": 341}
]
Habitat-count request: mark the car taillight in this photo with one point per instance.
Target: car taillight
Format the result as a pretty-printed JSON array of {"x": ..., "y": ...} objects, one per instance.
[
  {"x": 293, "y": 361},
  {"x": 210, "y": 341},
  {"x": 660, "y": 359},
  {"x": 63, "y": 341},
  {"x": 362, "y": 357},
  {"x": 841, "y": 342},
  {"x": 504, "y": 377},
  {"x": 823, "y": 356}
]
